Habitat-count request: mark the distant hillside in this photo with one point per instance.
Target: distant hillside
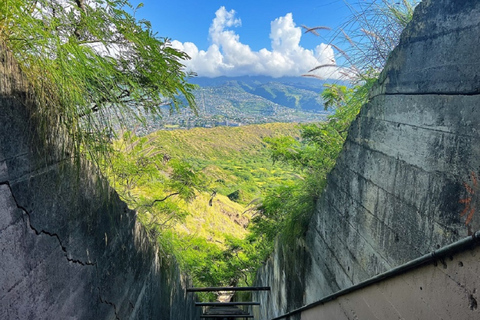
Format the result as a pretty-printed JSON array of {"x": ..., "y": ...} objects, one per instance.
[
  {"x": 245, "y": 100},
  {"x": 237, "y": 164},
  {"x": 291, "y": 97},
  {"x": 296, "y": 93},
  {"x": 234, "y": 162},
  {"x": 221, "y": 142}
]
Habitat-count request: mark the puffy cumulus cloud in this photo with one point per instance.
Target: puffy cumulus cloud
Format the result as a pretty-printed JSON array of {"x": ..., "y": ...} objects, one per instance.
[{"x": 227, "y": 56}]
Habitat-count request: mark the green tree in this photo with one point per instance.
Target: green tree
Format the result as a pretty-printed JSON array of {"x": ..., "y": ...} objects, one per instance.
[
  {"x": 288, "y": 208},
  {"x": 93, "y": 66},
  {"x": 371, "y": 34},
  {"x": 151, "y": 183}
]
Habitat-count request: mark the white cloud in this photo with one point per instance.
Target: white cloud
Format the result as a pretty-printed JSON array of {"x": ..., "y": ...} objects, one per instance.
[{"x": 227, "y": 56}]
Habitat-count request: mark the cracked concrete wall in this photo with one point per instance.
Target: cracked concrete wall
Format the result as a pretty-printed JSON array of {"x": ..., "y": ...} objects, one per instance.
[
  {"x": 422, "y": 293},
  {"x": 407, "y": 180},
  {"x": 69, "y": 248}
]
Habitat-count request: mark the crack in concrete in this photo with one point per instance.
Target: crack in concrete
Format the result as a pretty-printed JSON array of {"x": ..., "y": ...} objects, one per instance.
[
  {"x": 108, "y": 303},
  {"x": 43, "y": 232},
  {"x": 14, "y": 285}
]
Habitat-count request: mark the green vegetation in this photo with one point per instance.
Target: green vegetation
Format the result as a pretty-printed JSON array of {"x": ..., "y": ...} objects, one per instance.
[
  {"x": 289, "y": 96},
  {"x": 200, "y": 193},
  {"x": 192, "y": 189},
  {"x": 234, "y": 158},
  {"x": 92, "y": 66},
  {"x": 287, "y": 210},
  {"x": 214, "y": 199}
]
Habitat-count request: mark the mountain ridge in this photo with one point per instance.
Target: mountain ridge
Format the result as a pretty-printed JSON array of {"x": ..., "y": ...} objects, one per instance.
[{"x": 235, "y": 101}]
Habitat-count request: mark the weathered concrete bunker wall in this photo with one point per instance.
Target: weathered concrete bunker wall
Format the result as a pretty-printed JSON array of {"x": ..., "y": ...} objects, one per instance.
[
  {"x": 430, "y": 292},
  {"x": 407, "y": 181},
  {"x": 69, "y": 248}
]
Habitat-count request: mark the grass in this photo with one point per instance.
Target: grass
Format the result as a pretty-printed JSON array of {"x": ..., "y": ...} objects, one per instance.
[
  {"x": 203, "y": 214},
  {"x": 233, "y": 158}
]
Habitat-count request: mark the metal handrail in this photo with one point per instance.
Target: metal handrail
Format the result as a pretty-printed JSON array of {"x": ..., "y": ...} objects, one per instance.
[
  {"x": 216, "y": 304},
  {"x": 222, "y": 316},
  {"x": 455, "y": 247},
  {"x": 210, "y": 289}
]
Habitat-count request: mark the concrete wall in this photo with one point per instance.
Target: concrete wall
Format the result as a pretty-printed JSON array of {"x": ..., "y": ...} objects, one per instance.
[
  {"x": 69, "y": 248},
  {"x": 408, "y": 177},
  {"x": 444, "y": 290}
]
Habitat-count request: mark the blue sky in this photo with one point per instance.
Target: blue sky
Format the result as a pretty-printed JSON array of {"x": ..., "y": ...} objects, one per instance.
[{"x": 235, "y": 37}]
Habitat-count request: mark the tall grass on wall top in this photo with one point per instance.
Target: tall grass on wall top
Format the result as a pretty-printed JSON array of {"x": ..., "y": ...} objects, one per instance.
[
  {"x": 372, "y": 32},
  {"x": 93, "y": 66},
  {"x": 365, "y": 40}
]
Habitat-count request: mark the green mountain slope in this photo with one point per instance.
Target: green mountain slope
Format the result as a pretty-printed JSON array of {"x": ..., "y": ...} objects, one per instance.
[
  {"x": 289, "y": 93},
  {"x": 235, "y": 158},
  {"x": 290, "y": 97},
  {"x": 192, "y": 189}
]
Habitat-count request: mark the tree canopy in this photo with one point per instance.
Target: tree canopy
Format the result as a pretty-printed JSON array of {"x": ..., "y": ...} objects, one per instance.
[{"x": 93, "y": 65}]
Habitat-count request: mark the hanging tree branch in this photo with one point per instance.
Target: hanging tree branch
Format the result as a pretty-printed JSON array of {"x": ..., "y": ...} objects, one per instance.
[
  {"x": 161, "y": 200},
  {"x": 93, "y": 66}
]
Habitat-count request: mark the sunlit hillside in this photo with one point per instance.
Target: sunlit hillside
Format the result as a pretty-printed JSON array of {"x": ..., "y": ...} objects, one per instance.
[
  {"x": 195, "y": 189},
  {"x": 234, "y": 159}
]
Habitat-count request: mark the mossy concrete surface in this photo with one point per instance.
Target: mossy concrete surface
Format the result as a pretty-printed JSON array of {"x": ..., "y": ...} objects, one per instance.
[{"x": 69, "y": 248}]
